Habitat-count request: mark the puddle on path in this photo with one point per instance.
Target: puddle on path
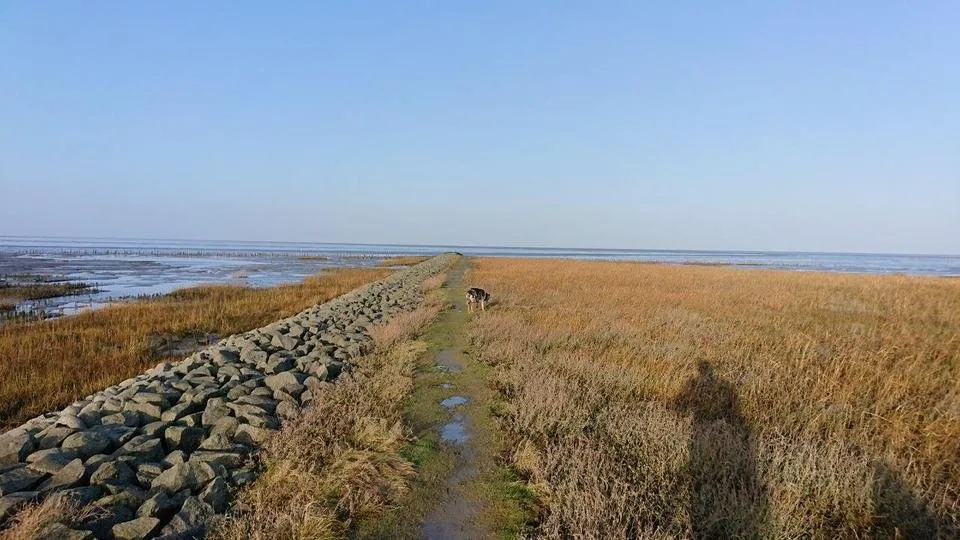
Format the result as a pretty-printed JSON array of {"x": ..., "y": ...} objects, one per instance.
[
  {"x": 453, "y": 518},
  {"x": 455, "y": 431},
  {"x": 453, "y": 401},
  {"x": 447, "y": 361}
]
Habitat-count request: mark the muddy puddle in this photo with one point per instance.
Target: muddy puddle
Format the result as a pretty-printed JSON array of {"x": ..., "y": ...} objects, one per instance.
[{"x": 448, "y": 362}]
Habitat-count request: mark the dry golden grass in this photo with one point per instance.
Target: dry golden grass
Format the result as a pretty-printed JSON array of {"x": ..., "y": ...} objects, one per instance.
[
  {"x": 340, "y": 461},
  {"x": 670, "y": 401},
  {"x": 30, "y": 521},
  {"x": 47, "y": 365},
  {"x": 405, "y": 326},
  {"x": 434, "y": 283}
]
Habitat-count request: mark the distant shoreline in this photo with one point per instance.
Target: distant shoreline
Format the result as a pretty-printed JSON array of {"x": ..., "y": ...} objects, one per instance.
[{"x": 159, "y": 250}]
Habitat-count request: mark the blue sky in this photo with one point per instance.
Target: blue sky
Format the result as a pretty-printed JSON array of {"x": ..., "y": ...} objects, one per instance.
[{"x": 826, "y": 126}]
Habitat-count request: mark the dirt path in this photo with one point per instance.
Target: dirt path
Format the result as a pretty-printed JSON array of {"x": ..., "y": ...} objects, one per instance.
[
  {"x": 459, "y": 507},
  {"x": 462, "y": 491}
]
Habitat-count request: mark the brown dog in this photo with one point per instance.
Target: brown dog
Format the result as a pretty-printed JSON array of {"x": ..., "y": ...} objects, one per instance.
[{"x": 477, "y": 296}]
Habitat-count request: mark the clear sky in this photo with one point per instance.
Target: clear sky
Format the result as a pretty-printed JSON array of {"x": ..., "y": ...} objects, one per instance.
[{"x": 818, "y": 126}]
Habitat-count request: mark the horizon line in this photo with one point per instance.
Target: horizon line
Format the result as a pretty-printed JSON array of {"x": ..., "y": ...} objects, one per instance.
[{"x": 479, "y": 246}]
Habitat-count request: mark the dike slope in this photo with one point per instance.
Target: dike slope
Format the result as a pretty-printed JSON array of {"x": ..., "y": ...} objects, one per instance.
[{"x": 159, "y": 454}]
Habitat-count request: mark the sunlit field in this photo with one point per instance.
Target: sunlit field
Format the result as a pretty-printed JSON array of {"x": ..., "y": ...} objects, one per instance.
[{"x": 659, "y": 400}]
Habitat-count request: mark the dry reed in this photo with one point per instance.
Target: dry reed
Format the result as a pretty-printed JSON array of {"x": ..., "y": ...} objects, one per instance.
[{"x": 674, "y": 401}]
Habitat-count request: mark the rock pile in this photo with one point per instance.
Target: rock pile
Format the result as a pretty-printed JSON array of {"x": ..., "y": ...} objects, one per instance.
[{"x": 159, "y": 454}]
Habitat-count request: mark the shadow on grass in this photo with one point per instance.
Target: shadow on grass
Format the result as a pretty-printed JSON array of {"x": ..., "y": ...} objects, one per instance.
[
  {"x": 725, "y": 496},
  {"x": 900, "y": 514}
]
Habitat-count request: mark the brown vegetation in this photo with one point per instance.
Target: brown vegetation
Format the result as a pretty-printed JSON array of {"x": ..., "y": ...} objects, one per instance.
[
  {"x": 34, "y": 288},
  {"x": 654, "y": 400},
  {"x": 33, "y": 520},
  {"x": 340, "y": 461},
  {"x": 45, "y": 365}
]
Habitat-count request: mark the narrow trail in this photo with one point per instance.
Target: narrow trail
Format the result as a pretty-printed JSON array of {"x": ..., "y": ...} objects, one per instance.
[
  {"x": 459, "y": 507},
  {"x": 461, "y": 491}
]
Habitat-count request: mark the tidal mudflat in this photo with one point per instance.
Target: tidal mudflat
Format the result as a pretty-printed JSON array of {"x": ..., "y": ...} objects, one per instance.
[{"x": 119, "y": 277}]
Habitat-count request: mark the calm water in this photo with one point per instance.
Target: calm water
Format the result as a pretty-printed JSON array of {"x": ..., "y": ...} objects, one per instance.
[{"x": 125, "y": 267}]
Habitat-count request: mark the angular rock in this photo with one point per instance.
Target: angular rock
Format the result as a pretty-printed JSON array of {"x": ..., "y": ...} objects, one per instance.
[
  {"x": 154, "y": 429},
  {"x": 113, "y": 472},
  {"x": 222, "y": 356},
  {"x": 214, "y": 411},
  {"x": 71, "y": 421},
  {"x": 153, "y": 398},
  {"x": 78, "y": 496},
  {"x": 86, "y": 443},
  {"x": 148, "y": 412},
  {"x": 59, "y": 531},
  {"x": 226, "y": 426},
  {"x": 19, "y": 479},
  {"x": 130, "y": 496},
  {"x": 184, "y": 438},
  {"x": 142, "y": 449},
  {"x": 135, "y": 529},
  {"x": 15, "y": 445},
  {"x": 190, "y": 475},
  {"x": 52, "y": 437},
  {"x": 227, "y": 460},
  {"x": 284, "y": 342},
  {"x": 216, "y": 494},
  {"x": 254, "y": 436},
  {"x": 287, "y": 410},
  {"x": 262, "y": 391},
  {"x": 243, "y": 476},
  {"x": 283, "y": 380},
  {"x": 174, "y": 458},
  {"x": 146, "y": 472},
  {"x": 159, "y": 505},
  {"x": 219, "y": 442},
  {"x": 10, "y": 504},
  {"x": 279, "y": 364},
  {"x": 179, "y": 411},
  {"x": 102, "y": 521},
  {"x": 190, "y": 520},
  {"x": 192, "y": 420},
  {"x": 122, "y": 418},
  {"x": 50, "y": 461},
  {"x": 253, "y": 356},
  {"x": 69, "y": 475},
  {"x": 263, "y": 402}
]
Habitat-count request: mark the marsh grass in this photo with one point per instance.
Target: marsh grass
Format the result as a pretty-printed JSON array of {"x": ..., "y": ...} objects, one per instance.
[
  {"x": 36, "y": 288},
  {"x": 46, "y": 365},
  {"x": 31, "y": 520},
  {"x": 345, "y": 459},
  {"x": 662, "y": 401}
]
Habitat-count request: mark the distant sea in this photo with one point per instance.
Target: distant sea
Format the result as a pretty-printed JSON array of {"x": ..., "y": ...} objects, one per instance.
[{"x": 869, "y": 263}]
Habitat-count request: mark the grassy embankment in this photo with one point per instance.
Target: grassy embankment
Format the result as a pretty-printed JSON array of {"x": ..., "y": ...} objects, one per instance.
[
  {"x": 660, "y": 401},
  {"x": 45, "y": 365},
  {"x": 343, "y": 460}
]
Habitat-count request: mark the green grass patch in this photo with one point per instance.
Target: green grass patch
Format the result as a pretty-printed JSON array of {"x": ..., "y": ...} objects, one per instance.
[{"x": 420, "y": 450}]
